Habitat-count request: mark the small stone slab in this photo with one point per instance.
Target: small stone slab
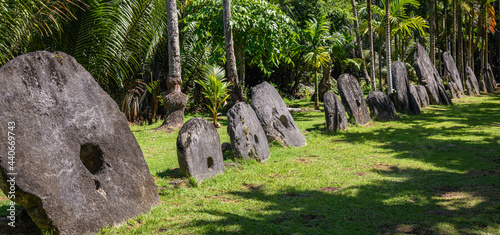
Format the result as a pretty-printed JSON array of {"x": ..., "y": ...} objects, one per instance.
[
  {"x": 414, "y": 100},
  {"x": 473, "y": 80},
  {"x": 336, "y": 119},
  {"x": 248, "y": 139},
  {"x": 381, "y": 107},
  {"x": 276, "y": 120},
  {"x": 353, "y": 99},
  {"x": 400, "y": 83},
  {"x": 429, "y": 77},
  {"x": 424, "y": 97},
  {"x": 452, "y": 71},
  {"x": 199, "y": 150},
  {"x": 468, "y": 87},
  {"x": 491, "y": 84},
  {"x": 79, "y": 167}
]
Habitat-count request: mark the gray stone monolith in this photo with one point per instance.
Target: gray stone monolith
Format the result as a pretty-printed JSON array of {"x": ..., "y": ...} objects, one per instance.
[
  {"x": 422, "y": 94},
  {"x": 248, "y": 139},
  {"x": 353, "y": 99},
  {"x": 452, "y": 71},
  {"x": 473, "y": 80},
  {"x": 77, "y": 165},
  {"x": 429, "y": 77},
  {"x": 414, "y": 100},
  {"x": 400, "y": 83},
  {"x": 336, "y": 119},
  {"x": 199, "y": 151},
  {"x": 381, "y": 107},
  {"x": 276, "y": 120}
]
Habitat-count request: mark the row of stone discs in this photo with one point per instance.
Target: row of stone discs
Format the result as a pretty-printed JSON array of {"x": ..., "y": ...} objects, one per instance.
[
  {"x": 77, "y": 165},
  {"x": 250, "y": 128}
]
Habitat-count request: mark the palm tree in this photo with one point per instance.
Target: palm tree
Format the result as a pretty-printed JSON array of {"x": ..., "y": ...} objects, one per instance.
[
  {"x": 372, "y": 50},
  {"x": 236, "y": 92},
  {"x": 358, "y": 40},
  {"x": 388, "y": 46},
  {"x": 316, "y": 54},
  {"x": 432, "y": 31},
  {"x": 175, "y": 101},
  {"x": 215, "y": 89}
]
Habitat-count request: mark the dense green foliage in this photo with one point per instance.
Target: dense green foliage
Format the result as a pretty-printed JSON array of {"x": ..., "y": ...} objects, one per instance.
[{"x": 123, "y": 42}]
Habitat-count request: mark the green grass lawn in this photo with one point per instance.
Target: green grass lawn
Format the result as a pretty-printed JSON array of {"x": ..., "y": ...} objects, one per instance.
[{"x": 434, "y": 173}]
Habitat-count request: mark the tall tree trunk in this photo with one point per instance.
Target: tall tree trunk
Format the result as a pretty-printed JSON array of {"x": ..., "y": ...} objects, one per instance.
[
  {"x": 446, "y": 28},
  {"x": 358, "y": 40},
  {"x": 381, "y": 86},
  {"x": 231, "y": 73},
  {"x": 175, "y": 101},
  {"x": 460, "y": 49},
  {"x": 240, "y": 62},
  {"x": 388, "y": 47},
  {"x": 432, "y": 31},
  {"x": 455, "y": 31},
  {"x": 483, "y": 44},
  {"x": 372, "y": 51}
]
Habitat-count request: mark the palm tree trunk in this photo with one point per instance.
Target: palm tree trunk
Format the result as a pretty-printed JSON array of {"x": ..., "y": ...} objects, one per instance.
[
  {"x": 175, "y": 101},
  {"x": 381, "y": 87},
  {"x": 445, "y": 25},
  {"x": 232, "y": 75},
  {"x": 372, "y": 51},
  {"x": 460, "y": 62},
  {"x": 388, "y": 47},
  {"x": 358, "y": 40},
  {"x": 455, "y": 29},
  {"x": 483, "y": 48},
  {"x": 432, "y": 22}
]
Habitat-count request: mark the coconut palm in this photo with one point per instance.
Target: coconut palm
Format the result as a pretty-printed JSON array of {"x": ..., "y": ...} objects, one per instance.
[
  {"x": 314, "y": 48},
  {"x": 215, "y": 89}
]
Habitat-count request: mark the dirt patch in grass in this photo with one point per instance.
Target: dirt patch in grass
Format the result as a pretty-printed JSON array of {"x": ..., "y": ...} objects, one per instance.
[
  {"x": 253, "y": 186},
  {"x": 406, "y": 229},
  {"x": 330, "y": 189},
  {"x": 303, "y": 160},
  {"x": 383, "y": 167},
  {"x": 361, "y": 173},
  {"x": 495, "y": 124}
]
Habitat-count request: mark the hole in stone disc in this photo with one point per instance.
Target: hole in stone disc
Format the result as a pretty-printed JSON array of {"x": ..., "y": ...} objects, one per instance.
[
  {"x": 210, "y": 163},
  {"x": 91, "y": 157},
  {"x": 284, "y": 120},
  {"x": 97, "y": 184},
  {"x": 255, "y": 139},
  {"x": 358, "y": 103}
]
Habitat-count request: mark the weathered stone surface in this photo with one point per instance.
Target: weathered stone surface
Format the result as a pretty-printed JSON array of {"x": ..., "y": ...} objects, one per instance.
[
  {"x": 276, "y": 120},
  {"x": 353, "y": 99},
  {"x": 452, "y": 71},
  {"x": 78, "y": 165},
  {"x": 422, "y": 94},
  {"x": 453, "y": 91},
  {"x": 336, "y": 119},
  {"x": 414, "y": 100},
  {"x": 248, "y": 140},
  {"x": 199, "y": 150},
  {"x": 473, "y": 80},
  {"x": 468, "y": 87},
  {"x": 490, "y": 80},
  {"x": 381, "y": 107},
  {"x": 429, "y": 77},
  {"x": 400, "y": 83}
]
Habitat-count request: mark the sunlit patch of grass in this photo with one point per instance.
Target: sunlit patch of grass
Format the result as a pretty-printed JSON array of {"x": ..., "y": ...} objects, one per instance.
[{"x": 437, "y": 172}]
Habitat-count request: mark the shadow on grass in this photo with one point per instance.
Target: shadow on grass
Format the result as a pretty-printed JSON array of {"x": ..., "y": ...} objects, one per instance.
[{"x": 460, "y": 196}]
